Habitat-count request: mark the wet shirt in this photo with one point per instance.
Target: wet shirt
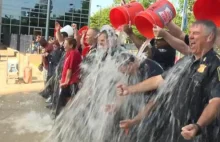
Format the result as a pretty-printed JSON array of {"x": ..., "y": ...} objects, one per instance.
[
  {"x": 198, "y": 84},
  {"x": 72, "y": 62}
]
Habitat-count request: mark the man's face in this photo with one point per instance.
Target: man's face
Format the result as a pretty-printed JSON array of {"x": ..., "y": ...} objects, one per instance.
[
  {"x": 197, "y": 38},
  {"x": 126, "y": 69},
  {"x": 102, "y": 41},
  {"x": 90, "y": 37}
]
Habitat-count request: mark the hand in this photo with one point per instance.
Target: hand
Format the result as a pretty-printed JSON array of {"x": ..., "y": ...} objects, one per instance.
[
  {"x": 189, "y": 131},
  {"x": 74, "y": 26},
  {"x": 122, "y": 90},
  {"x": 63, "y": 85},
  {"x": 158, "y": 31},
  {"x": 57, "y": 26},
  {"x": 128, "y": 30},
  {"x": 126, "y": 125}
]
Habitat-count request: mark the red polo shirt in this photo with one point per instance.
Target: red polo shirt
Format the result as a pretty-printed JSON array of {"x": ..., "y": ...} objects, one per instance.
[{"x": 72, "y": 61}]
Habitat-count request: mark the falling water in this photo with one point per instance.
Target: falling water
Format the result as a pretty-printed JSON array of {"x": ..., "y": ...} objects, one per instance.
[{"x": 85, "y": 119}]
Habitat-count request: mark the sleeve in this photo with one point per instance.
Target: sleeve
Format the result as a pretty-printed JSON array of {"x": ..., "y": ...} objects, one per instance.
[
  {"x": 214, "y": 89},
  {"x": 164, "y": 74}
]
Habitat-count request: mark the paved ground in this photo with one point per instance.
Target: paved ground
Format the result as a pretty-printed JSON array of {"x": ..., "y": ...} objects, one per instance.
[{"x": 23, "y": 116}]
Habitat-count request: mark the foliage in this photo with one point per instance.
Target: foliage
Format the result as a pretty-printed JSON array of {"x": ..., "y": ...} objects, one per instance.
[{"x": 101, "y": 17}]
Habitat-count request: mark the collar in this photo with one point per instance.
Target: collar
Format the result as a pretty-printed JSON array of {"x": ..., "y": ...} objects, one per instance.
[{"x": 205, "y": 57}]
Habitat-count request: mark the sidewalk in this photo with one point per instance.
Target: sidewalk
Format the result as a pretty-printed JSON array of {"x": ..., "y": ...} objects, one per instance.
[{"x": 12, "y": 88}]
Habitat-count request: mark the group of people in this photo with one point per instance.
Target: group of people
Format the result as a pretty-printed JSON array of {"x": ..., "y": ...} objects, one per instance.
[{"x": 193, "y": 103}]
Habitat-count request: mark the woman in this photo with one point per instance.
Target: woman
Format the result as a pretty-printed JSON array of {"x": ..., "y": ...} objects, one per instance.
[{"x": 70, "y": 74}]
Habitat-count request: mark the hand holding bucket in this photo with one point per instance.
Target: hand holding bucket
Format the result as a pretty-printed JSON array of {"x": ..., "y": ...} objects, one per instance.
[{"x": 160, "y": 14}]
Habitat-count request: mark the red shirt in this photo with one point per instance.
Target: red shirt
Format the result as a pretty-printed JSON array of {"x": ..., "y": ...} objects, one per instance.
[{"x": 72, "y": 61}]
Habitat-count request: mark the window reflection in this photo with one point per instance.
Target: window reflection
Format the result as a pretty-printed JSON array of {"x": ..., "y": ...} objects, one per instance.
[{"x": 24, "y": 16}]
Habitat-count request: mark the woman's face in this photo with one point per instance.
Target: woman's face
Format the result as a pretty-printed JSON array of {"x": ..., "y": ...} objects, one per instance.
[{"x": 67, "y": 46}]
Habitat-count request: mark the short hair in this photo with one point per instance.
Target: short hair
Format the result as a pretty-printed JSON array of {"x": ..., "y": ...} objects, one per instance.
[
  {"x": 43, "y": 42},
  {"x": 125, "y": 59},
  {"x": 96, "y": 30},
  {"x": 64, "y": 34},
  {"x": 105, "y": 33},
  {"x": 71, "y": 41},
  {"x": 210, "y": 26}
]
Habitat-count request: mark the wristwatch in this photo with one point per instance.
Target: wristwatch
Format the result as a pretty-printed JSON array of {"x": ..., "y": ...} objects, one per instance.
[{"x": 199, "y": 129}]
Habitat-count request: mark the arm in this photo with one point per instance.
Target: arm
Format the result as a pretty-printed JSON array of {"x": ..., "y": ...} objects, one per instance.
[
  {"x": 175, "y": 31},
  {"x": 58, "y": 34},
  {"x": 174, "y": 42},
  {"x": 145, "y": 112},
  {"x": 128, "y": 30},
  {"x": 147, "y": 85},
  {"x": 209, "y": 113},
  {"x": 68, "y": 76}
]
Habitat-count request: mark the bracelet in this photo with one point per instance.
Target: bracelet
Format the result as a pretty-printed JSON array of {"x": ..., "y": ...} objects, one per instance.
[{"x": 199, "y": 129}]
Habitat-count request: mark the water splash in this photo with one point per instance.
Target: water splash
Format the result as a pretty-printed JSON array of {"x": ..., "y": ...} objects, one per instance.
[{"x": 31, "y": 122}]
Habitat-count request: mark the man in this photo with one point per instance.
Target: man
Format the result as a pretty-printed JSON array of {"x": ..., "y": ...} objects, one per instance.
[
  {"x": 91, "y": 37},
  {"x": 158, "y": 49},
  {"x": 195, "y": 99}
]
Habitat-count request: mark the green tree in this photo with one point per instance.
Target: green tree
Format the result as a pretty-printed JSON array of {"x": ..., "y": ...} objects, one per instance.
[{"x": 100, "y": 18}]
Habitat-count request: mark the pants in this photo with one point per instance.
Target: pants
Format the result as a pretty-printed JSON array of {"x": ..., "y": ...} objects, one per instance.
[{"x": 64, "y": 94}]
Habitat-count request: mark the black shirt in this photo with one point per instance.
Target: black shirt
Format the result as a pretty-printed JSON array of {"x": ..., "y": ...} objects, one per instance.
[
  {"x": 165, "y": 55},
  {"x": 198, "y": 83}
]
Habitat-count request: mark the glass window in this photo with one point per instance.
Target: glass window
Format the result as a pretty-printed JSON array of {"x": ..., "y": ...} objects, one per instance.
[
  {"x": 85, "y": 11},
  {"x": 15, "y": 29},
  {"x": 33, "y": 22},
  {"x": 68, "y": 18},
  {"x": 68, "y": 23},
  {"x": 84, "y": 20},
  {"x": 5, "y": 20},
  {"x": 34, "y": 14},
  {"x": 15, "y": 21},
  {"x": 25, "y": 21},
  {"x": 5, "y": 29},
  {"x": 43, "y": 15},
  {"x": 42, "y": 22},
  {"x": 24, "y": 30},
  {"x": 52, "y": 23},
  {"x": 51, "y": 32}
]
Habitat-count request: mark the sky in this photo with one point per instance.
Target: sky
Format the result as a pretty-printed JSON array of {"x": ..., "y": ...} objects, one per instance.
[{"x": 102, "y": 3}]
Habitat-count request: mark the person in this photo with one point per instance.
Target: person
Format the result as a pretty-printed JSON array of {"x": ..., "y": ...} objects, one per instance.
[
  {"x": 48, "y": 48},
  {"x": 194, "y": 101},
  {"x": 91, "y": 38},
  {"x": 164, "y": 55},
  {"x": 70, "y": 74}
]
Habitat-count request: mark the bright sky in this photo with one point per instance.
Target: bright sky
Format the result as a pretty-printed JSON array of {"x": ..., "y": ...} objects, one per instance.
[{"x": 102, "y": 3}]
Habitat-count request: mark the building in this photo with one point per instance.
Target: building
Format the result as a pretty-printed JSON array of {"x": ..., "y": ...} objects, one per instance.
[{"x": 29, "y": 16}]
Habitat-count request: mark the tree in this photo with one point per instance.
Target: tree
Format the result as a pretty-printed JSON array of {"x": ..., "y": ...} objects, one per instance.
[{"x": 100, "y": 18}]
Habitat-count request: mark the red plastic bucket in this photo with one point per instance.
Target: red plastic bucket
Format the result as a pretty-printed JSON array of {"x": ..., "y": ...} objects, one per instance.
[
  {"x": 160, "y": 13},
  {"x": 125, "y": 14},
  {"x": 207, "y": 10}
]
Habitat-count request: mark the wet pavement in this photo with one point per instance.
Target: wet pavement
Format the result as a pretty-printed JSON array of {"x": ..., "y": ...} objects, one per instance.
[{"x": 24, "y": 118}]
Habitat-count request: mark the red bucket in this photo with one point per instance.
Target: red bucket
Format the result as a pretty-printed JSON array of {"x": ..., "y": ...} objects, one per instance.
[
  {"x": 160, "y": 13},
  {"x": 125, "y": 14},
  {"x": 207, "y": 10}
]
